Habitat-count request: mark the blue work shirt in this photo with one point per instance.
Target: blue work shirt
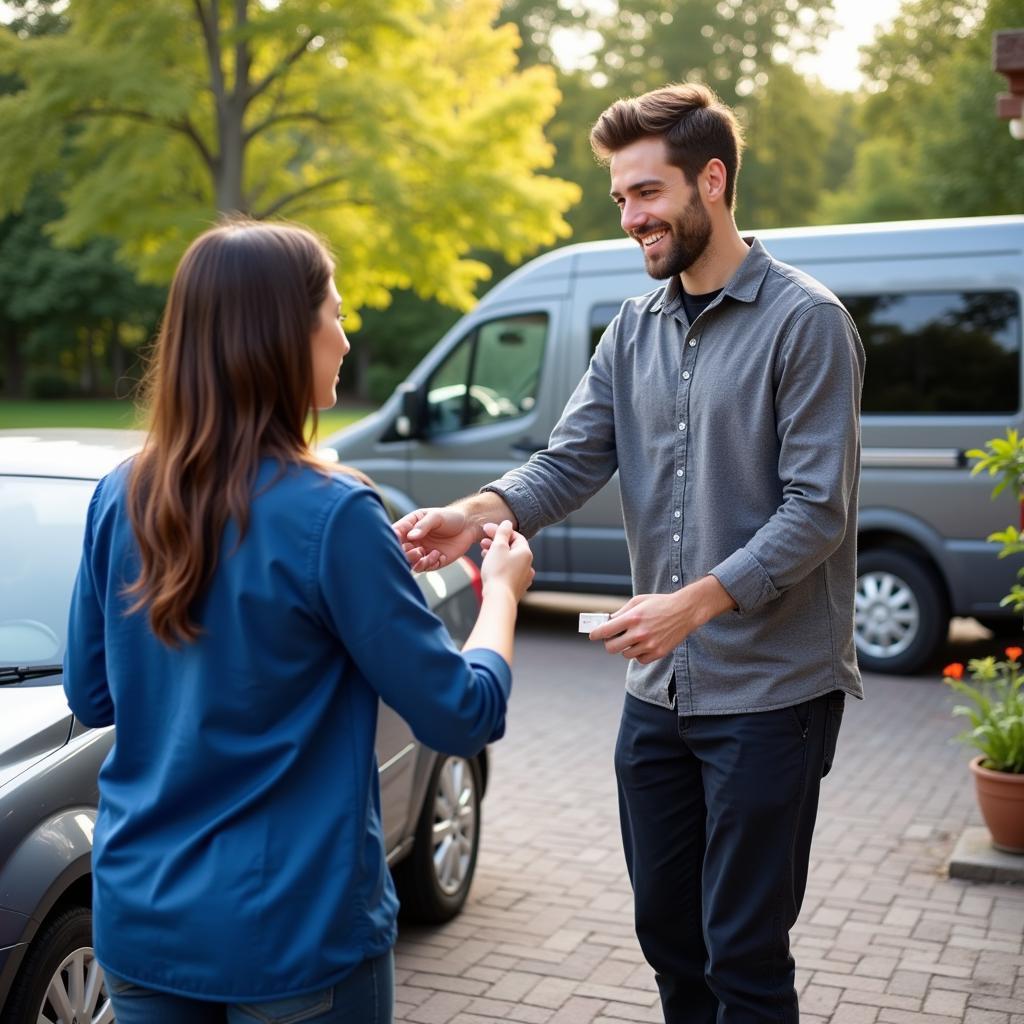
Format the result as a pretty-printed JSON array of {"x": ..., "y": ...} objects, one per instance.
[{"x": 238, "y": 853}]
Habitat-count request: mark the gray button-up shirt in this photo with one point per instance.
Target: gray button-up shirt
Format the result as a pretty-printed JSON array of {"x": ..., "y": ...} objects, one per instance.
[{"x": 737, "y": 443}]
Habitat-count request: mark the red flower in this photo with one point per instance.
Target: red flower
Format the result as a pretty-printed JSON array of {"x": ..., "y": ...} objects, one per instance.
[
  {"x": 954, "y": 671},
  {"x": 1014, "y": 653}
]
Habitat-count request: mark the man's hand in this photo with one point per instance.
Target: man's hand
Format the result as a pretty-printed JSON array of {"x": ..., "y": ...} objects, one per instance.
[
  {"x": 651, "y": 626},
  {"x": 433, "y": 537}
]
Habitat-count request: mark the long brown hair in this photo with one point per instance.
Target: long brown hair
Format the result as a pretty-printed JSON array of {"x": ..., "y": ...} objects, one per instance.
[
  {"x": 231, "y": 381},
  {"x": 695, "y": 124}
]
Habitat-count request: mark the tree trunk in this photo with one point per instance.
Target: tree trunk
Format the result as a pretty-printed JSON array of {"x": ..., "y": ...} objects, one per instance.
[{"x": 230, "y": 198}]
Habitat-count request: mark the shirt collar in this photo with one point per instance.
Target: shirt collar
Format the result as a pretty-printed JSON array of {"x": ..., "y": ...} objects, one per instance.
[{"x": 743, "y": 286}]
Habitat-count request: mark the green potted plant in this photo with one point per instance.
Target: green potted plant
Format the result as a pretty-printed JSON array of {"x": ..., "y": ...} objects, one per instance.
[
  {"x": 995, "y": 689},
  {"x": 995, "y": 710}
]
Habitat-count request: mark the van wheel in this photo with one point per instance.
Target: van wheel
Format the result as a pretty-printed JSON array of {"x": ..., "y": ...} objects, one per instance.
[
  {"x": 433, "y": 881},
  {"x": 61, "y": 979},
  {"x": 900, "y": 615}
]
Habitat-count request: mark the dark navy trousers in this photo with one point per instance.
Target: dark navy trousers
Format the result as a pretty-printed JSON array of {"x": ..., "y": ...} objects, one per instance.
[{"x": 717, "y": 813}]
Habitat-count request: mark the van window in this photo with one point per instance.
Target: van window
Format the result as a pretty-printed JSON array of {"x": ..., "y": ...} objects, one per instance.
[
  {"x": 600, "y": 317},
  {"x": 939, "y": 352},
  {"x": 491, "y": 375},
  {"x": 927, "y": 352}
]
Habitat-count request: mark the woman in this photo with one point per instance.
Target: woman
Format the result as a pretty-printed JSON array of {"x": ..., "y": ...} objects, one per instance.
[{"x": 239, "y": 610}]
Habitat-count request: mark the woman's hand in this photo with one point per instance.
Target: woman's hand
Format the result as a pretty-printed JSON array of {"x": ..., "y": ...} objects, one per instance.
[{"x": 508, "y": 560}]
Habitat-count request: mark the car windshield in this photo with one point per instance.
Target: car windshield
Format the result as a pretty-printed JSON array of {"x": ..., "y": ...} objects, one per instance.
[{"x": 41, "y": 526}]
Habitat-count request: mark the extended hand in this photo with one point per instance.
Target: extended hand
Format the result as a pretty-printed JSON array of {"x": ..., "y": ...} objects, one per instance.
[
  {"x": 433, "y": 537},
  {"x": 651, "y": 626},
  {"x": 508, "y": 560}
]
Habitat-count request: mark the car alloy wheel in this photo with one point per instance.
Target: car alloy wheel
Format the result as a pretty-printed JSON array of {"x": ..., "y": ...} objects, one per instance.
[
  {"x": 77, "y": 992},
  {"x": 433, "y": 881},
  {"x": 455, "y": 824}
]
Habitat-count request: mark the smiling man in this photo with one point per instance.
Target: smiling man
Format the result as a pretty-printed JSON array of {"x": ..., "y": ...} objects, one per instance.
[{"x": 728, "y": 401}]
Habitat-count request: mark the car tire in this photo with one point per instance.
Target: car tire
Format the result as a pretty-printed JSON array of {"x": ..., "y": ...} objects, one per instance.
[
  {"x": 900, "y": 613},
  {"x": 433, "y": 881},
  {"x": 61, "y": 955}
]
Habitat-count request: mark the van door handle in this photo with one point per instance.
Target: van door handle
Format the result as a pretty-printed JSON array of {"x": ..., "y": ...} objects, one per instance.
[{"x": 526, "y": 446}]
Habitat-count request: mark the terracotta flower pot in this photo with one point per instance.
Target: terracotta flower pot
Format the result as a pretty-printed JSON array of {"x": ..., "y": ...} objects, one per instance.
[{"x": 1001, "y": 801}]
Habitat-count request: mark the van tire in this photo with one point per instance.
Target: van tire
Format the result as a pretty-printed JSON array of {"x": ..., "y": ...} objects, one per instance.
[{"x": 901, "y": 615}]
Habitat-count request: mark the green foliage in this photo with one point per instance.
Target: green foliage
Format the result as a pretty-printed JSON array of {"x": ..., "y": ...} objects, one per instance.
[
  {"x": 402, "y": 131},
  {"x": 995, "y": 709},
  {"x": 934, "y": 147},
  {"x": 1003, "y": 457},
  {"x": 789, "y": 127},
  {"x": 798, "y": 135}
]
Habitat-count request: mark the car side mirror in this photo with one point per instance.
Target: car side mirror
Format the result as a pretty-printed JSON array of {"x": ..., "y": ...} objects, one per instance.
[{"x": 409, "y": 423}]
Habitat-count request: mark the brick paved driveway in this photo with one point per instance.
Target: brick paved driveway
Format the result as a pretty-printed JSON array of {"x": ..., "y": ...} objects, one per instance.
[{"x": 547, "y": 938}]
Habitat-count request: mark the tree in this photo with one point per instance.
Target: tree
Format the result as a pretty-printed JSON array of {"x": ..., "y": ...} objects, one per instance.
[
  {"x": 70, "y": 318},
  {"x": 739, "y": 48},
  {"x": 783, "y": 170},
  {"x": 402, "y": 131},
  {"x": 935, "y": 147}
]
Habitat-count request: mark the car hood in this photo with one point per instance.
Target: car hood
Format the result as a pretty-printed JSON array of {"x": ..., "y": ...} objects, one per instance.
[{"x": 34, "y": 721}]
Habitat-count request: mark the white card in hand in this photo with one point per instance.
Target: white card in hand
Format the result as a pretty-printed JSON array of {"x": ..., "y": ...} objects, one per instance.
[{"x": 591, "y": 620}]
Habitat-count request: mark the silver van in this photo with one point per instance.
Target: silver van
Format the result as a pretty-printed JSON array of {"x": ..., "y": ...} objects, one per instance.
[{"x": 938, "y": 306}]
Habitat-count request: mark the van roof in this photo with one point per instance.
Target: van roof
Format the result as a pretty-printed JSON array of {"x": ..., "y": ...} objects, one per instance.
[{"x": 967, "y": 236}]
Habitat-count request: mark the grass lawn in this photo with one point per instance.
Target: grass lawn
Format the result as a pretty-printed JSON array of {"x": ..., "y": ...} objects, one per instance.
[{"x": 113, "y": 413}]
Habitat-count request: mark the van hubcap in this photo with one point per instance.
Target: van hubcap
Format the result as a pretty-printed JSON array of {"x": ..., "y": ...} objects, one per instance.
[{"x": 887, "y": 617}]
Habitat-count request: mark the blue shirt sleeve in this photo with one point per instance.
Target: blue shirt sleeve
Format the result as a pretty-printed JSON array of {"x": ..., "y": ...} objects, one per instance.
[
  {"x": 85, "y": 663},
  {"x": 454, "y": 703}
]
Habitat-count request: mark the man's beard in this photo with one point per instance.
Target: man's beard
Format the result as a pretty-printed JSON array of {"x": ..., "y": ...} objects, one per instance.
[{"x": 688, "y": 237}]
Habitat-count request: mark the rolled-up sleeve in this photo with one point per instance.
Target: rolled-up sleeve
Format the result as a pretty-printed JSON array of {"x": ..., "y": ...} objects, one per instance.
[
  {"x": 85, "y": 663},
  {"x": 581, "y": 454},
  {"x": 454, "y": 703},
  {"x": 819, "y": 374}
]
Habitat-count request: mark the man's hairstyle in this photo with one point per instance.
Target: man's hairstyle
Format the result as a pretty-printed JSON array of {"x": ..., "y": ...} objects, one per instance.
[{"x": 695, "y": 124}]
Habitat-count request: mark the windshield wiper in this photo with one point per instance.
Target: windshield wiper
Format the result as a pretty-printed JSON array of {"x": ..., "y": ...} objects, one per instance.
[{"x": 19, "y": 673}]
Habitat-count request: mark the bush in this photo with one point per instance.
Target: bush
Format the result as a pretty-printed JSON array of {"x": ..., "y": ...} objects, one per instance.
[{"x": 49, "y": 384}]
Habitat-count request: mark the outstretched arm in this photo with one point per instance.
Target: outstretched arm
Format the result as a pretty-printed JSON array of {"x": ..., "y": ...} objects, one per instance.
[{"x": 433, "y": 537}]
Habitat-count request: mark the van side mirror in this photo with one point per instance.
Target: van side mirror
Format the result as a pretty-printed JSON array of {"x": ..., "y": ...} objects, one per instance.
[{"x": 409, "y": 423}]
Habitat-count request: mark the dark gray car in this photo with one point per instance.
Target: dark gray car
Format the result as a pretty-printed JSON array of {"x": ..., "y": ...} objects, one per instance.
[{"x": 49, "y": 761}]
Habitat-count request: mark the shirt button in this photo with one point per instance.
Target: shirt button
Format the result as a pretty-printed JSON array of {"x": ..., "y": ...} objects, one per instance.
[
  {"x": 679, "y": 472},
  {"x": 682, "y": 426},
  {"x": 693, "y": 341},
  {"x": 677, "y": 513},
  {"x": 675, "y": 536},
  {"x": 675, "y": 579},
  {"x": 686, "y": 374}
]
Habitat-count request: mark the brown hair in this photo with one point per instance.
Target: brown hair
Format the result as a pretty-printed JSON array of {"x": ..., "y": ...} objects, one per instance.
[
  {"x": 695, "y": 124},
  {"x": 231, "y": 381}
]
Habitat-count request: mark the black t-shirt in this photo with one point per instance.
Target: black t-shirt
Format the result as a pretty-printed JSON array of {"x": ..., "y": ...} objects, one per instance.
[{"x": 696, "y": 304}]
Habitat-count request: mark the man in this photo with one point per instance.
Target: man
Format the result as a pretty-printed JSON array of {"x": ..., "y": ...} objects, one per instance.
[{"x": 728, "y": 401}]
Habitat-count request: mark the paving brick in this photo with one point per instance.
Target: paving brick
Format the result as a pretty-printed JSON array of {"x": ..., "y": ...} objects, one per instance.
[
  {"x": 547, "y": 936},
  {"x": 578, "y": 1011}
]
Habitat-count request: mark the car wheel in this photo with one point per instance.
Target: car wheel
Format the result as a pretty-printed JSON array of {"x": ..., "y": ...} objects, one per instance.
[
  {"x": 61, "y": 981},
  {"x": 900, "y": 615},
  {"x": 434, "y": 880}
]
